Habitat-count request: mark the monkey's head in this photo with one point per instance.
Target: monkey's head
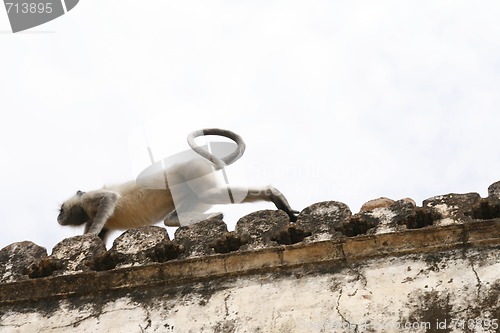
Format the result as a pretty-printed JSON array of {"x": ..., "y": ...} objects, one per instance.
[{"x": 72, "y": 211}]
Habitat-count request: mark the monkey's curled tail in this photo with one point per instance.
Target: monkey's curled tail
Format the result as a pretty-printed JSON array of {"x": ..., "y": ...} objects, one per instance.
[{"x": 219, "y": 163}]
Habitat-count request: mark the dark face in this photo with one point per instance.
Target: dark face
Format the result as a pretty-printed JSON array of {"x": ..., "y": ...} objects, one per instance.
[{"x": 72, "y": 213}]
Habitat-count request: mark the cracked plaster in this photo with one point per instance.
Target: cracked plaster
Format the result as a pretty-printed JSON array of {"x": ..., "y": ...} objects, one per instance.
[{"x": 357, "y": 297}]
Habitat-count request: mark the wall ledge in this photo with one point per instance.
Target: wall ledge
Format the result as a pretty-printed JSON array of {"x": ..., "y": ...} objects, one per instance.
[{"x": 314, "y": 255}]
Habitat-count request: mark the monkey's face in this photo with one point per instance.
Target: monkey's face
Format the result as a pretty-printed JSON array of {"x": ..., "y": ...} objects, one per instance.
[{"x": 72, "y": 212}]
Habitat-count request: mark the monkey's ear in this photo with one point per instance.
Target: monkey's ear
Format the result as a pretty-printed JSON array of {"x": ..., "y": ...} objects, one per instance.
[{"x": 80, "y": 193}]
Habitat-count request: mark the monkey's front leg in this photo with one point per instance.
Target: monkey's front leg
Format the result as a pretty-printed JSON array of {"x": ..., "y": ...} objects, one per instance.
[{"x": 105, "y": 208}]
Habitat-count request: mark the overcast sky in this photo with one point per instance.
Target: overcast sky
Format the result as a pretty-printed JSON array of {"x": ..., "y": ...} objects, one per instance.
[{"x": 336, "y": 100}]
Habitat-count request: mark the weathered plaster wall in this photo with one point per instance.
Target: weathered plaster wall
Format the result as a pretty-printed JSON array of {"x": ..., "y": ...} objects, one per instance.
[
  {"x": 421, "y": 290},
  {"x": 393, "y": 267}
]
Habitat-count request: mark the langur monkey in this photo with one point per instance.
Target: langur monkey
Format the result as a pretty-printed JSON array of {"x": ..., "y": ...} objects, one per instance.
[{"x": 131, "y": 205}]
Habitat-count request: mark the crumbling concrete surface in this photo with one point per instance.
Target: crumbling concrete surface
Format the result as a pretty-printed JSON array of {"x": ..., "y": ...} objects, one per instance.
[{"x": 392, "y": 267}]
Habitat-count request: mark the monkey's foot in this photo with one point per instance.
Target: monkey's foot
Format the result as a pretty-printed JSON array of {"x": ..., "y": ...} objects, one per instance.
[
  {"x": 292, "y": 214},
  {"x": 186, "y": 219}
]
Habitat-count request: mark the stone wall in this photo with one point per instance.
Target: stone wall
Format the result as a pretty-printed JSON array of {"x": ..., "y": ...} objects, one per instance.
[{"x": 392, "y": 267}]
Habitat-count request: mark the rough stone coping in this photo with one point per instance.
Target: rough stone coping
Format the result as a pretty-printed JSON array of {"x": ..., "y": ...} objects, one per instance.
[{"x": 274, "y": 259}]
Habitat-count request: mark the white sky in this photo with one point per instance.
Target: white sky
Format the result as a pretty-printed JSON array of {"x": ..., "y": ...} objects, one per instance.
[{"x": 336, "y": 100}]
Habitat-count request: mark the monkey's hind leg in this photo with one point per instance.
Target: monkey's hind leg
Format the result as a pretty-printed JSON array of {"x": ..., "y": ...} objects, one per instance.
[
  {"x": 189, "y": 210},
  {"x": 219, "y": 195},
  {"x": 172, "y": 220}
]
